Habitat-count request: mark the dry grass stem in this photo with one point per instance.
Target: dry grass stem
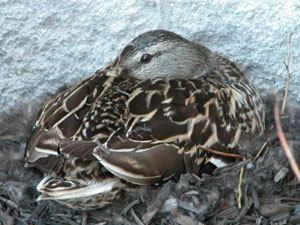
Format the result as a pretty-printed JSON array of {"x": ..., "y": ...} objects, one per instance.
[
  {"x": 287, "y": 66},
  {"x": 240, "y": 188},
  {"x": 284, "y": 143}
]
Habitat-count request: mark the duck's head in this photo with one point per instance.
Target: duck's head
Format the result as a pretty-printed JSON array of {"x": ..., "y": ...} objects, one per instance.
[{"x": 161, "y": 53}]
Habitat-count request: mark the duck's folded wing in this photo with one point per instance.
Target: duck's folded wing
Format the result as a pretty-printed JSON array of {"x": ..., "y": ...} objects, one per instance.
[
  {"x": 61, "y": 118},
  {"x": 194, "y": 112},
  {"x": 137, "y": 162}
]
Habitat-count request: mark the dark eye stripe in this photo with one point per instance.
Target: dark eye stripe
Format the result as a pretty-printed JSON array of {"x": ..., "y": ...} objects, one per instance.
[{"x": 146, "y": 58}]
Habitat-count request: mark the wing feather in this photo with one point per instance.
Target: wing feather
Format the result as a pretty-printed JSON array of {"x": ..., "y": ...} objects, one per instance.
[
  {"x": 195, "y": 112},
  {"x": 61, "y": 119}
]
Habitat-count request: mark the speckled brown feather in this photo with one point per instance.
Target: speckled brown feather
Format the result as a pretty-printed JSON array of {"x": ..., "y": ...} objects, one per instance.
[
  {"x": 62, "y": 117},
  {"x": 195, "y": 112},
  {"x": 66, "y": 151},
  {"x": 185, "y": 114},
  {"x": 77, "y": 177}
]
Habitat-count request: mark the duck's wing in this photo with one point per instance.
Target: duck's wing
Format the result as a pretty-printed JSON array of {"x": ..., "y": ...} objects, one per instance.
[
  {"x": 184, "y": 114},
  {"x": 201, "y": 111},
  {"x": 136, "y": 162},
  {"x": 60, "y": 119}
]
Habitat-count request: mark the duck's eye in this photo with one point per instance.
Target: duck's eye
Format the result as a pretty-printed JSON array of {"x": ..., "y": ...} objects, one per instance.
[{"x": 146, "y": 58}]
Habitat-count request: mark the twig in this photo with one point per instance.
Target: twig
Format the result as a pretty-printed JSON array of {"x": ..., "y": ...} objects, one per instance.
[
  {"x": 182, "y": 219},
  {"x": 284, "y": 143},
  {"x": 68, "y": 220},
  {"x": 222, "y": 153},
  {"x": 255, "y": 199},
  {"x": 287, "y": 66},
  {"x": 84, "y": 218},
  {"x": 128, "y": 207},
  {"x": 149, "y": 215},
  {"x": 121, "y": 220},
  {"x": 246, "y": 198},
  {"x": 5, "y": 218},
  {"x": 136, "y": 218},
  {"x": 243, "y": 212},
  {"x": 240, "y": 187},
  {"x": 163, "y": 194},
  {"x": 38, "y": 210},
  {"x": 9, "y": 202},
  {"x": 21, "y": 220},
  {"x": 188, "y": 207},
  {"x": 261, "y": 149}
]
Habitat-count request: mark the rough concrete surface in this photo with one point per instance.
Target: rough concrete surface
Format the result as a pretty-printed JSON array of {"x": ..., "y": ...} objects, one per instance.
[{"x": 47, "y": 44}]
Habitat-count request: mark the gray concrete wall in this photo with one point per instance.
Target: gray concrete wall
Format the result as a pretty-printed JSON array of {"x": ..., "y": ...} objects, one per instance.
[{"x": 46, "y": 44}]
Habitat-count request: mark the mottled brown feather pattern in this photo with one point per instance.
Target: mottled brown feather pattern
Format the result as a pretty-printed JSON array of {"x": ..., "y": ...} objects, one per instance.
[
  {"x": 202, "y": 111},
  {"x": 187, "y": 114},
  {"x": 108, "y": 112},
  {"x": 62, "y": 116},
  {"x": 62, "y": 122}
]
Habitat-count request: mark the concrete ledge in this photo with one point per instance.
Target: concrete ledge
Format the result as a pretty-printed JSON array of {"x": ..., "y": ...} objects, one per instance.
[{"x": 46, "y": 44}]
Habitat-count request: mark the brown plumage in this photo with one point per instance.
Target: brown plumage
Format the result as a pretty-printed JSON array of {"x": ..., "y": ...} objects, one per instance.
[{"x": 163, "y": 96}]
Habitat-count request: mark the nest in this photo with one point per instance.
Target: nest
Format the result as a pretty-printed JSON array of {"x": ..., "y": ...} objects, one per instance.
[{"x": 269, "y": 189}]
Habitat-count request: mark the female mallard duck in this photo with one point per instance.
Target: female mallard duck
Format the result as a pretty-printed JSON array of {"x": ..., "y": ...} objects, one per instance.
[{"x": 162, "y": 96}]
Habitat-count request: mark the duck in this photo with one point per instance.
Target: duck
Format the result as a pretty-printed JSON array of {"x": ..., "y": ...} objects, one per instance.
[{"x": 140, "y": 120}]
